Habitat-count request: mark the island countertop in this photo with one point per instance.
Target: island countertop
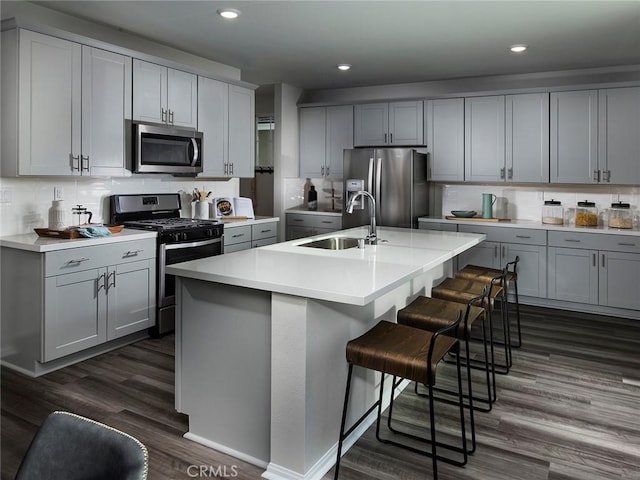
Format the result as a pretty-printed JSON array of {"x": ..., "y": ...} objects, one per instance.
[{"x": 352, "y": 276}]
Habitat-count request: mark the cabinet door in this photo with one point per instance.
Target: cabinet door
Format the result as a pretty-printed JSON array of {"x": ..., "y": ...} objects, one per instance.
[
  {"x": 371, "y": 124},
  {"x": 572, "y": 275},
  {"x": 339, "y": 137},
  {"x": 182, "y": 98},
  {"x": 242, "y": 132},
  {"x": 106, "y": 103},
  {"x": 313, "y": 141},
  {"x": 149, "y": 92},
  {"x": 574, "y": 136},
  {"x": 130, "y": 298},
  {"x": 406, "y": 123},
  {"x": 213, "y": 107},
  {"x": 532, "y": 267},
  {"x": 527, "y": 137},
  {"x": 620, "y": 280},
  {"x": 486, "y": 254},
  {"x": 484, "y": 155},
  {"x": 445, "y": 139},
  {"x": 75, "y": 313},
  {"x": 619, "y": 138},
  {"x": 49, "y": 105}
]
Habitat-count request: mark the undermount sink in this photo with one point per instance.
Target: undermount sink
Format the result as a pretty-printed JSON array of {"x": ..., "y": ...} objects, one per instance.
[{"x": 332, "y": 243}]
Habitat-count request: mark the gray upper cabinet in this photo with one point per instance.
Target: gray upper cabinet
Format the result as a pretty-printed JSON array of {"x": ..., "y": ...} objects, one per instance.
[
  {"x": 226, "y": 116},
  {"x": 164, "y": 95},
  {"x": 619, "y": 135},
  {"x": 444, "y": 122},
  {"x": 389, "y": 124},
  {"x": 484, "y": 146},
  {"x": 574, "y": 136},
  {"x": 67, "y": 114},
  {"x": 527, "y": 137},
  {"x": 324, "y": 134}
]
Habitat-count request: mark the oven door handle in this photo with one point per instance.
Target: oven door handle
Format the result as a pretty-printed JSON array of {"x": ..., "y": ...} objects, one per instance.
[
  {"x": 202, "y": 243},
  {"x": 162, "y": 261}
]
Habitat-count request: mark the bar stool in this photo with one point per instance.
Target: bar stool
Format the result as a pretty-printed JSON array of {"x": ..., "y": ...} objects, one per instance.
[
  {"x": 431, "y": 314},
  {"x": 462, "y": 290},
  {"x": 412, "y": 354},
  {"x": 485, "y": 274}
]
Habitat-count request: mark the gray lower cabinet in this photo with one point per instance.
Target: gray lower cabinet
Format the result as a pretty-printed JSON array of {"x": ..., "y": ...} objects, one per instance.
[
  {"x": 504, "y": 245},
  {"x": 301, "y": 225},
  {"x": 441, "y": 227},
  {"x": 244, "y": 237},
  {"x": 595, "y": 269},
  {"x": 70, "y": 300}
]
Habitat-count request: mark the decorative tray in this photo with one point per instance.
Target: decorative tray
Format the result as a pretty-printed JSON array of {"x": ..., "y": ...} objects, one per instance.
[{"x": 71, "y": 232}]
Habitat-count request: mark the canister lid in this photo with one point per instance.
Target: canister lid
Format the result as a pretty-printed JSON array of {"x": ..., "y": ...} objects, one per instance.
[
  {"x": 586, "y": 203},
  {"x": 620, "y": 205},
  {"x": 552, "y": 202}
]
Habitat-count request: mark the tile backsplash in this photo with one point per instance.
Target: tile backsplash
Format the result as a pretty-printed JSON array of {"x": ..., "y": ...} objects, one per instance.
[
  {"x": 25, "y": 202},
  {"x": 525, "y": 202}
]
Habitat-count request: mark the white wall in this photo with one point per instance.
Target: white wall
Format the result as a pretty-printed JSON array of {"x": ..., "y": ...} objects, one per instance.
[{"x": 29, "y": 199}]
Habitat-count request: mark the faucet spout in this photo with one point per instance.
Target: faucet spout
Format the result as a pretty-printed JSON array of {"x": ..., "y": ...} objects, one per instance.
[{"x": 372, "y": 237}]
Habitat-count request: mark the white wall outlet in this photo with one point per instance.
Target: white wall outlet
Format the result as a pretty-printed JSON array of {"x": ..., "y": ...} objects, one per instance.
[
  {"x": 5, "y": 195},
  {"x": 58, "y": 194}
]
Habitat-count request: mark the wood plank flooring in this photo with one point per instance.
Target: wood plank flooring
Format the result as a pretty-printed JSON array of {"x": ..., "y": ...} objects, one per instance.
[{"x": 568, "y": 410}]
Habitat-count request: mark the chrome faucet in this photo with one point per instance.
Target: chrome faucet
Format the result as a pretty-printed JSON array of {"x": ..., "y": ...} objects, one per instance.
[{"x": 372, "y": 238}]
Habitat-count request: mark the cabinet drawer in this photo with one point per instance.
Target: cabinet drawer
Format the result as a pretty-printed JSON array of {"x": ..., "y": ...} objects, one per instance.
[
  {"x": 264, "y": 241},
  {"x": 236, "y": 247},
  {"x": 299, "y": 220},
  {"x": 327, "y": 221},
  {"x": 595, "y": 241},
  {"x": 441, "y": 227},
  {"x": 85, "y": 258},
  {"x": 264, "y": 230},
  {"x": 235, "y": 235},
  {"x": 526, "y": 236}
]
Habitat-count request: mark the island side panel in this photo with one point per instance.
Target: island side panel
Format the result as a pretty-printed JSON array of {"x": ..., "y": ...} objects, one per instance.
[{"x": 223, "y": 367}]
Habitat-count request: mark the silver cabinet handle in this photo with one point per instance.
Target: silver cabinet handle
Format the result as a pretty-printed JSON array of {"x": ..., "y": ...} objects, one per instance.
[
  {"x": 322, "y": 170},
  {"x": 77, "y": 260},
  {"x": 596, "y": 175},
  {"x": 109, "y": 284},
  {"x": 226, "y": 168},
  {"x": 606, "y": 175},
  {"x": 133, "y": 253},
  {"x": 391, "y": 138},
  {"x": 523, "y": 236},
  {"x": 510, "y": 173},
  {"x": 502, "y": 170},
  {"x": 594, "y": 259},
  {"x": 102, "y": 277},
  {"x": 504, "y": 251},
  {"x": 603, "y": 260},
  {"x": 298, "y": 219},
  {"x": 231, "y": 168},
  {"x": 327, "y": 170},
  {"x": 623, "y": 244},
  {"x": 572, "y": 240},
  {"x": 265, "y": 231},
  {"x": 82, "y": 160},
  {"x": 75, "y": 160},
  {"x": 164, "y": 115},
  {"x": 495, "y": 251},
  {"x": 385, "y": 138},
  {"x": 326, "y": 221},
  {"x": 237, "y": 235},
  {"x": 171, "y": 117}
]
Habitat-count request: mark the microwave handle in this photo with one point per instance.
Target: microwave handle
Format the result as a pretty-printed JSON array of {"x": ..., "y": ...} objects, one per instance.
[{"x": 196, "y": 152}]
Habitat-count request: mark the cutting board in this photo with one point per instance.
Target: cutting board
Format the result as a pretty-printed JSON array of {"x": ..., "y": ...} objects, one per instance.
[{"x": 478, "y": 219}]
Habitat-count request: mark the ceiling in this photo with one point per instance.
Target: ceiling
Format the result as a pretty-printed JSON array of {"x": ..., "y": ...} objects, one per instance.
[{"x": 300, "y": 42}]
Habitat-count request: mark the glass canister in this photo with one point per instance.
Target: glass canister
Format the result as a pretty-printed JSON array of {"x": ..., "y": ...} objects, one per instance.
[
  {"x": 620, "y": 215},
  {"x": 586, "y": 214},
  {"x": 552, "y": 212}
]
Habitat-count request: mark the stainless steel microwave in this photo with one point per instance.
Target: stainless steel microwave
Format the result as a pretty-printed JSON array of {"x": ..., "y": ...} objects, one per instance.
[{"x": 166, "y": 149}]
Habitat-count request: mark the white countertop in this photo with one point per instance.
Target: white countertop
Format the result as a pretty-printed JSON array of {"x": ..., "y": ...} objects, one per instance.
[
  {"x": 333, "y": 213},
  {"x": 252, "y": 221},
  {"x": 32, "y": 242},
  {"x": 353, "y": 276},
  {"x": 535, "y": 225}
]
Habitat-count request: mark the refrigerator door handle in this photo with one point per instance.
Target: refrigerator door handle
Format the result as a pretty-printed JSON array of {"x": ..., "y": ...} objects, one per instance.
[{"x": 378, "y": 194}]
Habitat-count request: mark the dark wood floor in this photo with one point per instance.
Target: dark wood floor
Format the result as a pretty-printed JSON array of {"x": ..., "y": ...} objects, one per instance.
[{"x": 569, "y": 409}]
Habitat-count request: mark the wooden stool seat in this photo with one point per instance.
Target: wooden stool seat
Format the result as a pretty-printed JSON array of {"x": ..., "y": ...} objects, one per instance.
[
  {"x": 434, "y": 313},
  {"x": 483, "y": 274},
  {"x": 462, "y": 290},
  {"x": 399, "y": 350}
]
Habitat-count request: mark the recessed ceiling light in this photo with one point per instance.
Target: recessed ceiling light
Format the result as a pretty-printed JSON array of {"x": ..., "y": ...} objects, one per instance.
[
  {"x": 229, "y": 13},
  {"x": 344, "y": 67},
  {"x": 518, "y": 48}
]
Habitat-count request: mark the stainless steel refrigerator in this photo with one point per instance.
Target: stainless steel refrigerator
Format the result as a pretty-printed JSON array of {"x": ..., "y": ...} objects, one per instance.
[{"x": 397, "y": 179}]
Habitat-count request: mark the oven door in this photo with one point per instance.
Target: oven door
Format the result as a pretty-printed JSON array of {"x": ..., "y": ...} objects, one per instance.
[{"x": 181, "y": 252}]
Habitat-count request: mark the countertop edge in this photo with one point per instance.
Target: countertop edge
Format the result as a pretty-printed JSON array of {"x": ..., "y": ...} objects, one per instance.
[{"x": 33, "y": 243}]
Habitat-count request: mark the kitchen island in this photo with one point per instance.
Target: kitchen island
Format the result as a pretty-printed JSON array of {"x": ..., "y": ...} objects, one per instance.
[{"x": 261, "y": 335}]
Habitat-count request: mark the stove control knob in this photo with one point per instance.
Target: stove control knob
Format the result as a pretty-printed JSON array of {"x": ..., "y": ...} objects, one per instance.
[
  {"x": 209, "y": 232},
  {"x": 184, "y": 236}
]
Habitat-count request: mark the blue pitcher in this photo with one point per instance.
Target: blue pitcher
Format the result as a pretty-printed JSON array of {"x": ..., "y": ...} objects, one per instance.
[{"x": 488, "y": 199}]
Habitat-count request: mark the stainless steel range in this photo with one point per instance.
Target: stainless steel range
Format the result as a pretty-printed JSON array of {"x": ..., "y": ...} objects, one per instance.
[{"x": 179, "y": 240}]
